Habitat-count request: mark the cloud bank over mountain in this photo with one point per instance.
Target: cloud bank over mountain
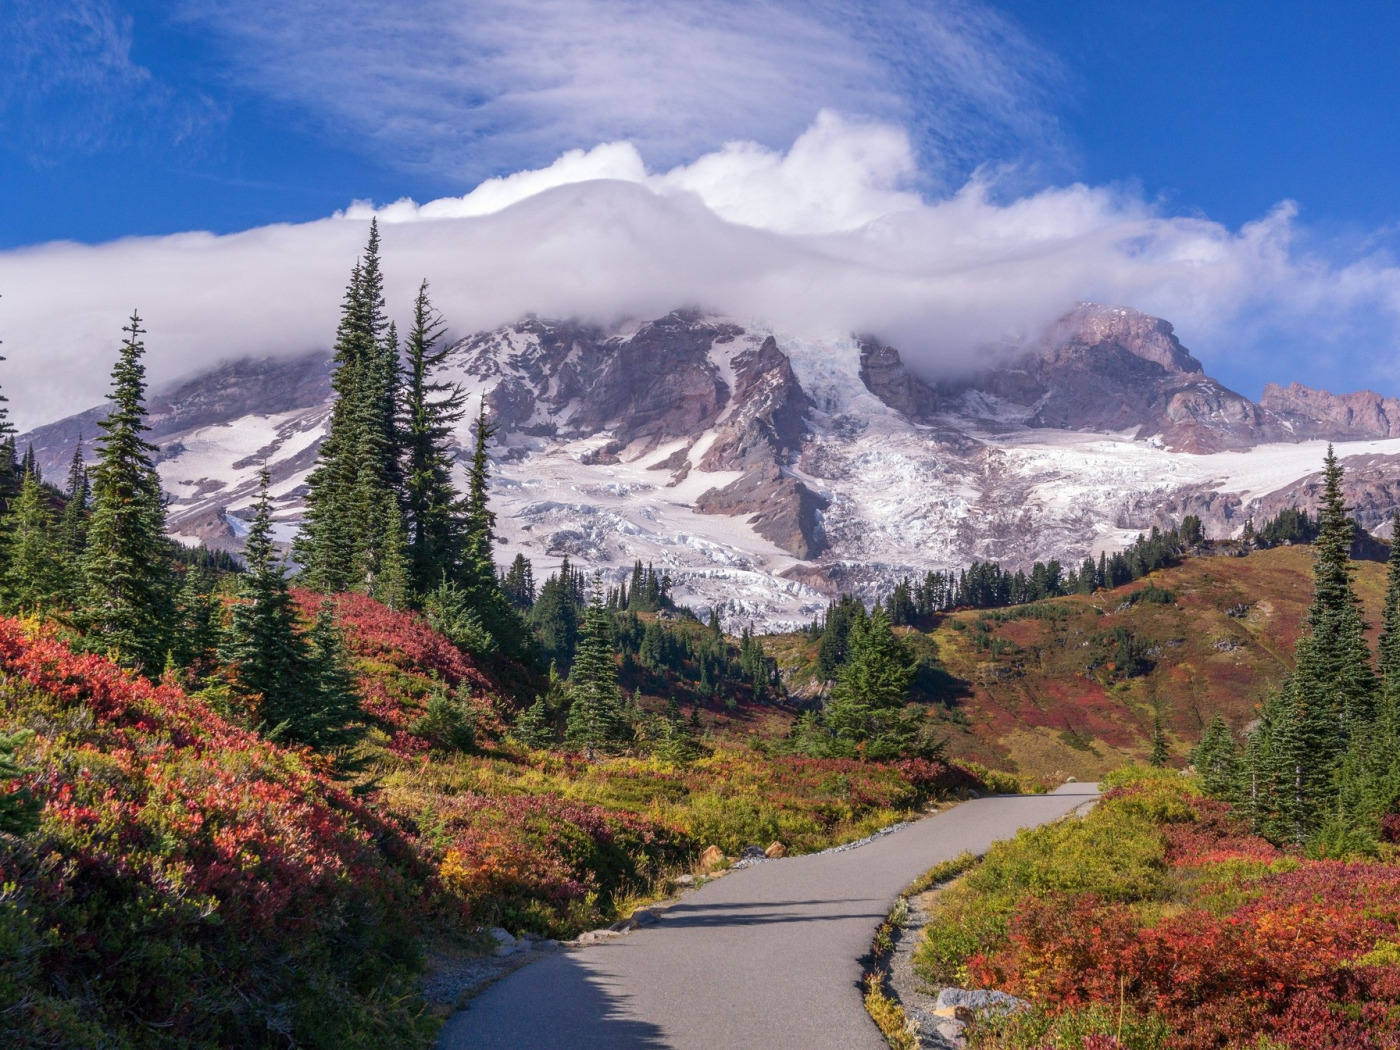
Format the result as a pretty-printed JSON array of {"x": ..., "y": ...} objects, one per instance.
[{"x": 827, "y": 237}]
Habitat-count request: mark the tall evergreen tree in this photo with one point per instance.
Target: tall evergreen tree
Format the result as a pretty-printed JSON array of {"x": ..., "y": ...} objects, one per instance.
[
  {"x": 129, "y": 583},
  {"x": 9, "y": 469},
  {"x": 344, "y": 538},
  {"x": 432, "y": 504},
  {"x": 596, "y": 718},
  {"x": 872, "y": 685}
]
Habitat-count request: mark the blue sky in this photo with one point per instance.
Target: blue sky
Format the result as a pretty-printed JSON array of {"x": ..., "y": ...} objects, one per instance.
[{"x": 136, "y": 117}]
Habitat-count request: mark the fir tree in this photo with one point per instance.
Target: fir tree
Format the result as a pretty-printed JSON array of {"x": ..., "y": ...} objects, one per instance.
[
  {"x": 28, "y": 465},
  {"x": 129, "y": 584},
  {"x": 75, "y": 509},
  {"x": 198, "y": 634},
  {"x": 532, "y": 729},
  {"x": 36, "y": 577},
  {"x": 334, "y": 720},
  {"x": 596, "y": 720},
  {"x": 267, "y": 656},
  {"x": 519, "y": 583},
  {"x": 1334, "y": 666},
  {"x": 872, "y": 686},
  {"x": 345, "y": 533},
  {"x": 430, "y": 409},
  {"x": 1158, "y": 758},
  {"x": 1216, "y": 759}
]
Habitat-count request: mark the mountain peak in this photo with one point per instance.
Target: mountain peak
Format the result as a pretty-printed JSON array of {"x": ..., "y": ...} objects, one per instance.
[{"x": 1091, "y": 325}]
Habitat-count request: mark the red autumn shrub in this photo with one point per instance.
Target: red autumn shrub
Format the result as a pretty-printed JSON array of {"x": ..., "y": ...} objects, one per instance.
[{"x": 190, "y": 883}]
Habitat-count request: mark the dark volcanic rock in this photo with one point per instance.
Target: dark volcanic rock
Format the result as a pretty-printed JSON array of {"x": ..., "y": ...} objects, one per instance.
[
  {"x": 659, "y": 383},
  {"x": 780, "y": 508},
  {"x": 763, "y": 430},
  {"x": 885, "y": 376}
]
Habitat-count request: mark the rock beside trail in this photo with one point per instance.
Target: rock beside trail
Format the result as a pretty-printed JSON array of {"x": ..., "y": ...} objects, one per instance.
[
  {"x": 953, "y": 1000},
  {"x": 712, "y": 858},
  {"x": 775, "y": 851}
]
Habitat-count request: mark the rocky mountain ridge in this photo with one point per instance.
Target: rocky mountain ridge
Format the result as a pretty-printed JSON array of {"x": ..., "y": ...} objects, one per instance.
[{"x": 766, "y": 471}]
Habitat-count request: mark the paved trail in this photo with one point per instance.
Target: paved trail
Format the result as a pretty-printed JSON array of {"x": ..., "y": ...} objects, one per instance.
[{"x": 764, "y": 958}]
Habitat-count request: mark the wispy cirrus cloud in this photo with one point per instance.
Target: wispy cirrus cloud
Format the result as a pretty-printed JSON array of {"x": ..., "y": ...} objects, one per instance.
[
  {"x": 472, "y": 88},
  {"x": 69, "y": 83}
]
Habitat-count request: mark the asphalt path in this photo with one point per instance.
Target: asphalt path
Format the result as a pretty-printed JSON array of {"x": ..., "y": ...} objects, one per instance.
[{"x": 765, "y": 957}]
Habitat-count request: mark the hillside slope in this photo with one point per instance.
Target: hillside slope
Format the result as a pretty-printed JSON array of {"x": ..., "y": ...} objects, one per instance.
[{"x": 1072, "y": 686}]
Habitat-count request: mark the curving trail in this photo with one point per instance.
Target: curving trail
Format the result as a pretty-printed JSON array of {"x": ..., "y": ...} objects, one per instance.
[{"x": 765, "y": 957}]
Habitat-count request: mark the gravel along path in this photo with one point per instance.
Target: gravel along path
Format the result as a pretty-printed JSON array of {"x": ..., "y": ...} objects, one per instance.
[{"x": 766, "y": 957}]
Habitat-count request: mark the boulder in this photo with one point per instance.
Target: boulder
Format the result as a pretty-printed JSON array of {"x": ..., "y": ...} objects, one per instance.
[
  {"x": 961, "y": 1002},
  {"x": 712, "y": 858},
  {"x": 775, "y": 850},
  {"x": 754, "y": 853}
]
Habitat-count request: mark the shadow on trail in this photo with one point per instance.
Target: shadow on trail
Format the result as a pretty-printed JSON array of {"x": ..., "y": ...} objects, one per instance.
[
  {"x": 765, "y": 912},
  {"x": 518, "y": 1013}
]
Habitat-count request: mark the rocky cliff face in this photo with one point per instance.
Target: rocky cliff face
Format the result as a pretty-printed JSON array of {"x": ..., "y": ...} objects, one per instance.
[{"x": 1361, "y": 415}]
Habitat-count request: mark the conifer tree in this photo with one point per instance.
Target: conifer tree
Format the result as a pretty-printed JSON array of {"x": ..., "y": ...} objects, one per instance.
[
  {"x": 129, "y": 584},
  {"x": 1216, "y": 759},
  {"x": 75, "y": 510},
  {"x": 532, "y": 727},
  {"x": 596, "y": 719},
  {"x": 430, "y": 409},
  {"x": 267, "y": 657},
  {"x": 1159, "y": 755},
  {"x": 343, "y": 540},
  {"x": 36, "y": 577},
  {"x": 872, "y": 686},
  {"x": 334, "y": 722},
  {"x": 1334, "y": 662},
  {"x": 198, "y": 633},
  {"x": 519, "y": 583}
]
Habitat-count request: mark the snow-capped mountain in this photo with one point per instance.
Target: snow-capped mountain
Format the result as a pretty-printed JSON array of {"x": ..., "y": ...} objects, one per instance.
[{"x": 766, "y": 471}]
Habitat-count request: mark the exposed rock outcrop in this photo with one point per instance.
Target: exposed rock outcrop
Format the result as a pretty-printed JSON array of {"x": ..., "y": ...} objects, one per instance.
[{"x": 1338, "y": 416}]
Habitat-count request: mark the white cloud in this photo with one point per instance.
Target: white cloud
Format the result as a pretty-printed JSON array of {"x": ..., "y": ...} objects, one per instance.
[
  {"x": 467, "y": 88},
  {"x": 822, "y": 239}
]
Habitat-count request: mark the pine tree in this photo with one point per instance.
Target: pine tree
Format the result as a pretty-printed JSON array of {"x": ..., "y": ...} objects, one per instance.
[
  {"x": 334, "y": 722},
  {"x": 532, "y": 729},
  {"x": 872, "y": 686},
  {"x": 1334, "y": 661},
  {"x": 267, "y": 656},
  {"x": 343, "y": 538},
  {"x": 519, "y": 583},
  {"x": 596, "y": 720},
  {"x": 75, "y": 510},
  {"x": 1158, "y": 758},
  {"x": 430, "y": 409},
  {"x": 129, "y": 583},
  {"x": 36, "y": 577},
  {"x": 198, "y": 633},
  {"x": 1216, "y": 759}
]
